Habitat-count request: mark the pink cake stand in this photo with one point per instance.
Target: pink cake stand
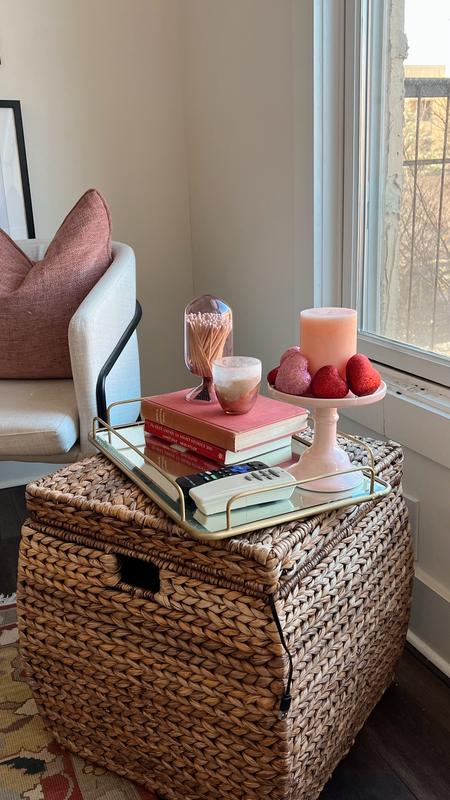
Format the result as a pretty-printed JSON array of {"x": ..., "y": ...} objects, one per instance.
[{"x": 325, "y": 456}]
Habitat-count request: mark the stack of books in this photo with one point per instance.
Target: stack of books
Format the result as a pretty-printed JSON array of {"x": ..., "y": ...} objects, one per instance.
[{"x": 183, "y": 437}]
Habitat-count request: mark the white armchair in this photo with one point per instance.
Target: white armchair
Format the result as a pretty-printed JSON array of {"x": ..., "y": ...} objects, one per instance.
[{"x": 48, "y": 420}]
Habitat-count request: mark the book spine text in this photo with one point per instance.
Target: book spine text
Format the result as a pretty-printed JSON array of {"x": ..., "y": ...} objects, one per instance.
[
  {"x": 189, "y": 458},
  {"x": 191, "y": 426},
  {"x": 198, "y": 446}
]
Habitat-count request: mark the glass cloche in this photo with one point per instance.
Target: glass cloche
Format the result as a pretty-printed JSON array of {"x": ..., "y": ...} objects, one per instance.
[{"x": 208, "y": 335}]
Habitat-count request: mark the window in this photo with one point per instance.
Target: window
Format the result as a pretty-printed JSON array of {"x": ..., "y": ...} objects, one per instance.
[{"x": 396, "y": 182}]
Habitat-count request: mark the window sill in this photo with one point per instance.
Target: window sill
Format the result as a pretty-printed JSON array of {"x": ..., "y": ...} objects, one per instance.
[
  {"x": 406, "y": 360},
  {"x": 414, "y": 412}
]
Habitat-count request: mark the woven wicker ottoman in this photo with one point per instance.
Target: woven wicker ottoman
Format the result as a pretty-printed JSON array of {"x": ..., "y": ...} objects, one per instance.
[{"x": 164, "y": 659}]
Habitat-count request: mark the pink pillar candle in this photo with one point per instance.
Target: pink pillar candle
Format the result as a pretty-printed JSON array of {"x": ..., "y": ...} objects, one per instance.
[{"x": 328, "y": 336}]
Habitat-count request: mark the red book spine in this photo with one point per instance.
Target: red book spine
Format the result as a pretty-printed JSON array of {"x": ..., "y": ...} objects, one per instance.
[
  {"x": 184, "y": 457},
  {"x": 188, "y": 424},
  {"x": 211, "y": 451}
]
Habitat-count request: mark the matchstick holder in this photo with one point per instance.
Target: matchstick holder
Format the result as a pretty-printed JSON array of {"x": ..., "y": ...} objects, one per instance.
[{"x": 208, "y": 335}]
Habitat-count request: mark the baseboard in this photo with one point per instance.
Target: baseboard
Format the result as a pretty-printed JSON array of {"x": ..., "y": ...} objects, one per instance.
[
  {"x": 431, "y": 583},
  {"x": 428, "y": 653}
]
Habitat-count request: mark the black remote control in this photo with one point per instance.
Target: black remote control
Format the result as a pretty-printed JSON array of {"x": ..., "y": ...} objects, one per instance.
[{"x": 187, "y": 482}]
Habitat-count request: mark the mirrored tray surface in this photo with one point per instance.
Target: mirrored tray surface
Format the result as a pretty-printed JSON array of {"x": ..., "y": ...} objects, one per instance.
[{"x": 124, "y": 445}]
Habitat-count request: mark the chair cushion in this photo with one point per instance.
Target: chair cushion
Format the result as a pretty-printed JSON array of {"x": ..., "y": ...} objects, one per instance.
[
  {"x": 37, "y": 299},
  {"x": 37, "y": 418}
]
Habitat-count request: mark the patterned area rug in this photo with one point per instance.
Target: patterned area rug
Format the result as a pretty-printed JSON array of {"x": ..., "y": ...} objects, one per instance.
[{"x": 32, "y": 765}]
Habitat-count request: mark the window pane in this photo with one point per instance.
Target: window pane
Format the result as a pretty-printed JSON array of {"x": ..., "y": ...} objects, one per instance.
[{"x": 407, "y": 264}]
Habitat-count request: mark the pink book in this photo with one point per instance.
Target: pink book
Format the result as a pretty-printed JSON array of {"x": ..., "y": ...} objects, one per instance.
[{"x": 269, "y": 419}]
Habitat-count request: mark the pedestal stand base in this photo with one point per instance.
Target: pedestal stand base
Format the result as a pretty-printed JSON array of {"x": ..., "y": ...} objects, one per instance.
[{"x": 325, "y": 456}]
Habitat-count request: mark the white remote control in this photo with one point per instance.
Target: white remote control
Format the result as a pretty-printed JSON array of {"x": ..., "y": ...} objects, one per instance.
[{"x": 212, "y": 498}]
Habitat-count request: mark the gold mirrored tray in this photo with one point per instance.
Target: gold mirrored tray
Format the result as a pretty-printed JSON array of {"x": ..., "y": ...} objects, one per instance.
[{"x": 124, "y": 446}]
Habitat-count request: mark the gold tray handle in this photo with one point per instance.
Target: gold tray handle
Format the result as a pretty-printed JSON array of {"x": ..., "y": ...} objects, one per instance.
[{"x": 248, "y": 492}]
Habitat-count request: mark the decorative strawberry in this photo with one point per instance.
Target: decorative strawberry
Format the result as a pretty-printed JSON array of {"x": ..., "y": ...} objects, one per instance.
[
  {"x": 362, "y": 377},
  {"x": 294, "y": 350},
  {"x": 272, "y": 375},
  {"x": 293, "y": 376},
  {"x": 328, "y": 383}
]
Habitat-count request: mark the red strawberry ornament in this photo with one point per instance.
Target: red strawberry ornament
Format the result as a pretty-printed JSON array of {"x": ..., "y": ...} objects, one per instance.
[
  {"x": 271, "y": 376},
  {"x": 328, "y": 383},
  {"x": 362, "y": 377}
]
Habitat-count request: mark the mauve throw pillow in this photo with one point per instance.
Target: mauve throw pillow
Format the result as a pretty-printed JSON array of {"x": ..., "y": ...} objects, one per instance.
[{"x": 38, "y": 299}]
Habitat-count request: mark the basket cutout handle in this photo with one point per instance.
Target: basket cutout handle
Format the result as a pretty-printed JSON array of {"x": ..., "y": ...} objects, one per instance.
[{"x": 139, "y": 574}]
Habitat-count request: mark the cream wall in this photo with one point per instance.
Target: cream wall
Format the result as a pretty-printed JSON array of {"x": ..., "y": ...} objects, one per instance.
[
  {"x": 249, "y": 111},
  {"x": 102, "y": 103},
  {"x": 135, "y": 96}
]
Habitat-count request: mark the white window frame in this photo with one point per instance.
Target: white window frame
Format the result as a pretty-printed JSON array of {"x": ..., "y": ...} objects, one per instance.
[{"x": 343, "y": 164}]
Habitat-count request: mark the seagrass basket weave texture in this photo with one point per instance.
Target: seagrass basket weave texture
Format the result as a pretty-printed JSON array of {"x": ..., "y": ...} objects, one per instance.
[{"x": 160, "y": 658}]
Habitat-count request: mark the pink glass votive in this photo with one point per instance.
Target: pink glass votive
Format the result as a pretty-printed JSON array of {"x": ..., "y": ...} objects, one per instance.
[{"x": 236, "y": 382}]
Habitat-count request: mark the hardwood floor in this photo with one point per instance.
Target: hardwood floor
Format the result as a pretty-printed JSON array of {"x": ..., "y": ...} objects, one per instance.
[{"x": 403, "y": 751}]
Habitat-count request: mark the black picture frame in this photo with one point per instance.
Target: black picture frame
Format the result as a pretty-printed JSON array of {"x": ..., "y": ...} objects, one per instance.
[{"x": 14, "y": 105}]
